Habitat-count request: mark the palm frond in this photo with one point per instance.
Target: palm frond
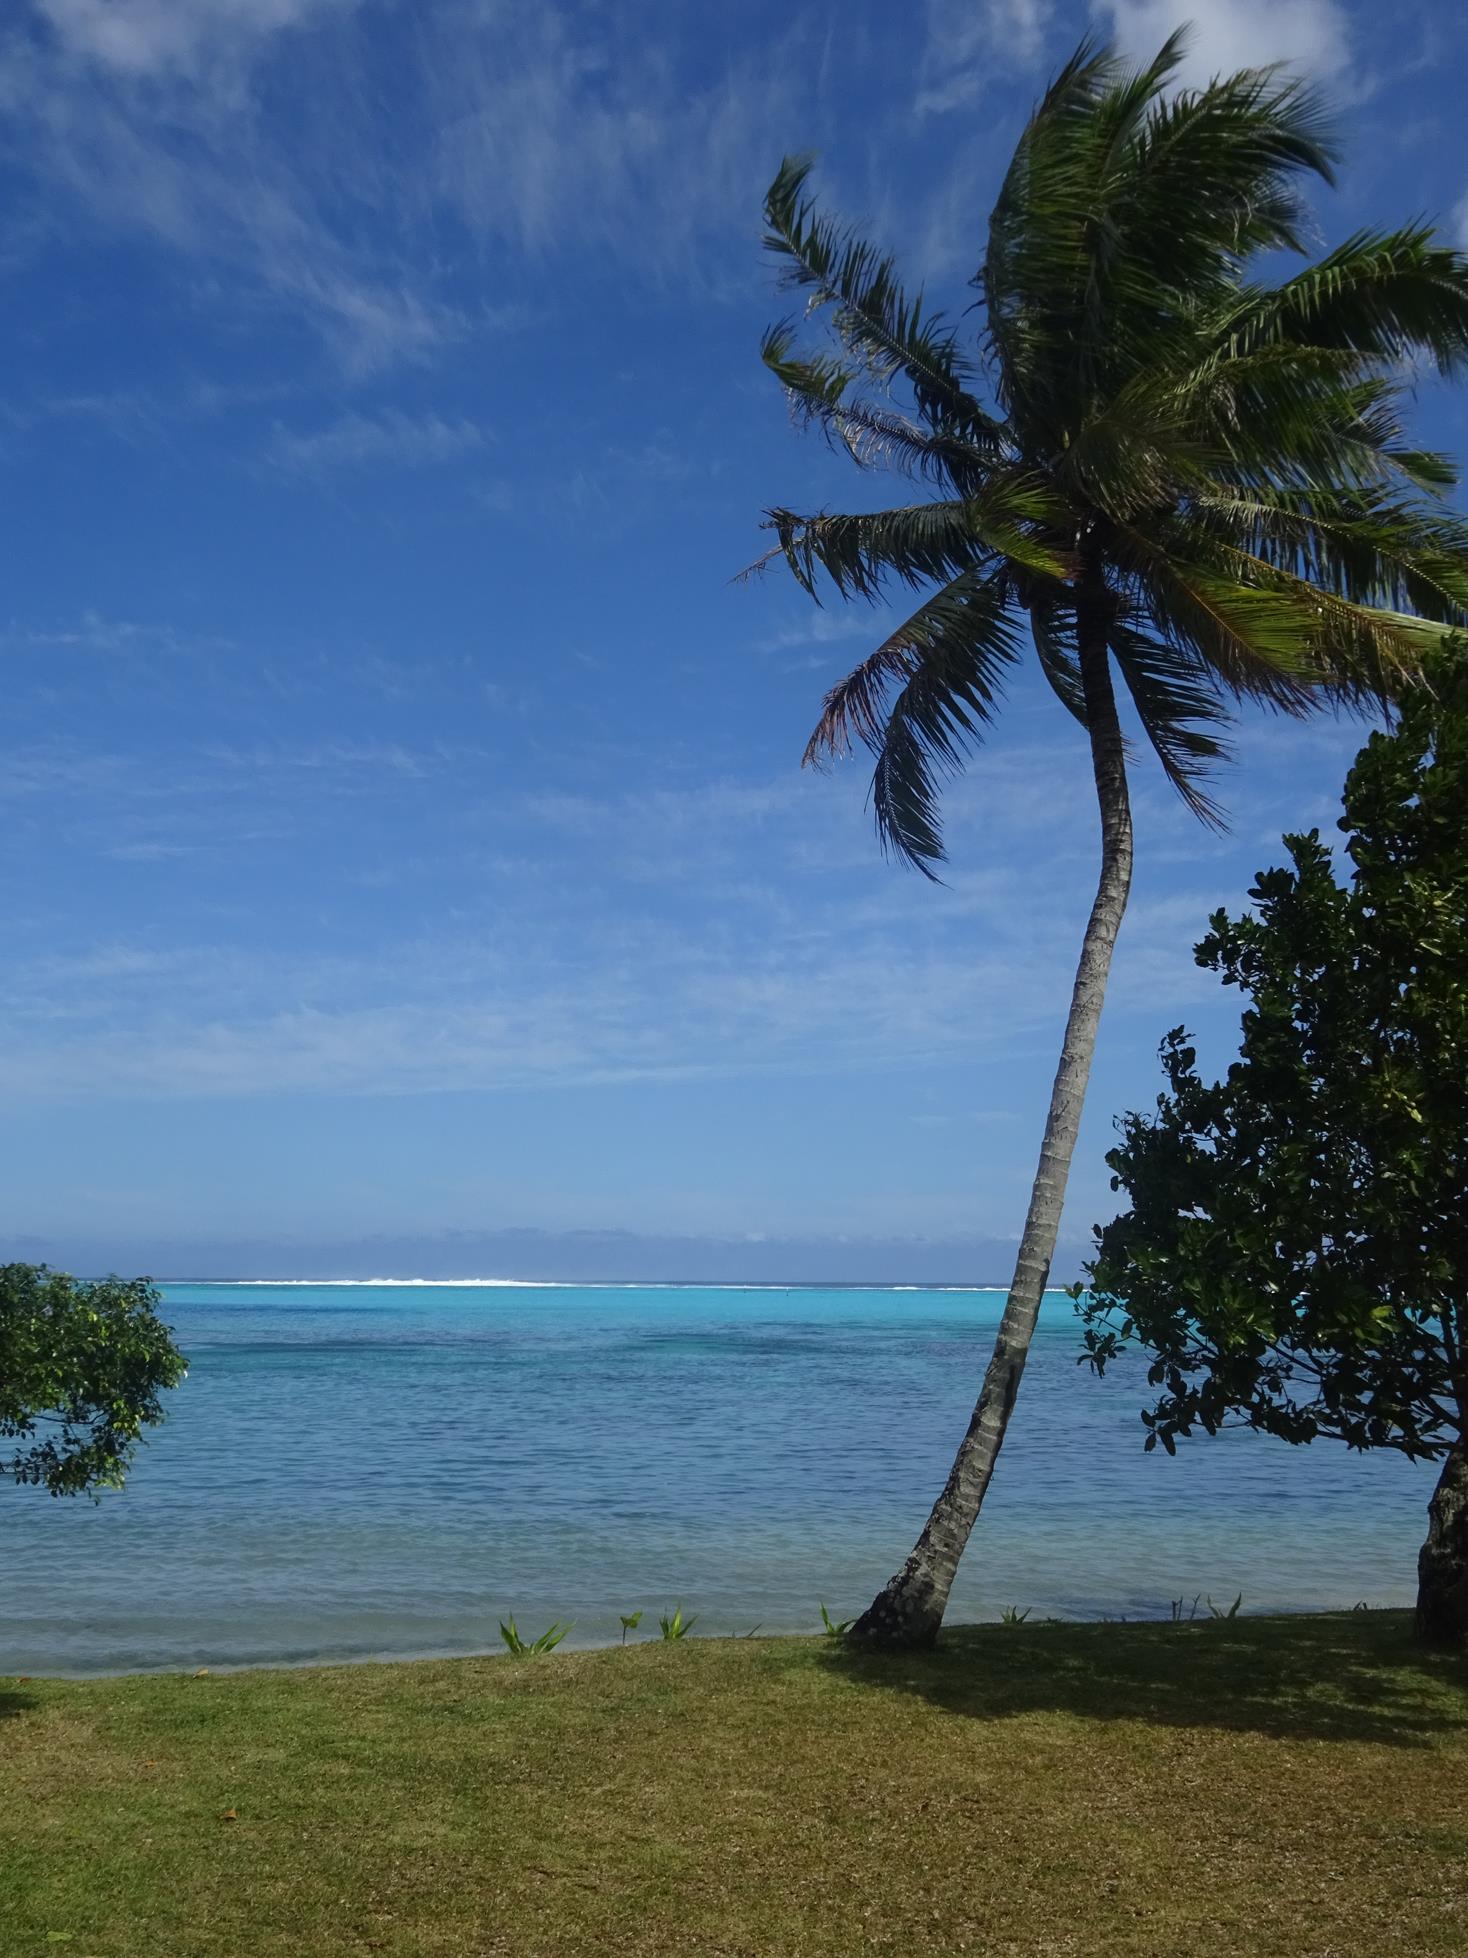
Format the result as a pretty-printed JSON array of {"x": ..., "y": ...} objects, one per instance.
[
  {"x": 1052, "y": 628},
  {"x": 817, "y": 384},
  {"x": 1391, "y": 295},
  {"x": 922, "y": 543},
  {"x": 1424, "y": 469},
  {"x": 1361, "y": 653},
  {"x": 946, "y": 664},
  {"x": 873, "y": 317},
  {"x": 819, "y": 388},
  {"x": 1220, "y": 163},
  {"x": 1258, "y": 642},
  {"x": 1273, "y": 636},
  {"x": 1028, "y": 276},
  {"x": 1178, "y": 704},
  {"x": 1126, "y": 207},
  {"x": 1275, "y": 414},
  {"x": 1371, "y": 550},
  {"x": 917, "y": 543}
]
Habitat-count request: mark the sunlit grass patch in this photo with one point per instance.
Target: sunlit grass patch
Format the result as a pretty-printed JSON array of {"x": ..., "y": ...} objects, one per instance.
[{"x": 1279, "y": 1786}]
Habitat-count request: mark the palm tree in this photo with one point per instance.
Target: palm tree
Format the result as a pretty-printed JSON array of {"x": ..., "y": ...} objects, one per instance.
[{"x": 1166, "y": 469}]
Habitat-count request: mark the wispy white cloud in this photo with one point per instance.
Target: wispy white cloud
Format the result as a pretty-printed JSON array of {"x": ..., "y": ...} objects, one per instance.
[
  {"x": 332, "y": 757},
  {"x": 1224, "y": 35},
  {"x": 583, "y": 966},
  {"x": 137, "y": 414},
  {"x": 94, "y": 632},
  {"x": 143, "y": 851},
  {"x": 128, "y": 413},
  {"x": 152, "y": 37},
  {"x": 150, "y": 115},
  {"x": 246, "y": 137},
  {"x": 827, "y": 627},
  {"x": 657, "y": 1002},
  {"x": 563, "y": 126},
  {"x": 390, "y": 437},
  {"x": 972, "y": 44}
]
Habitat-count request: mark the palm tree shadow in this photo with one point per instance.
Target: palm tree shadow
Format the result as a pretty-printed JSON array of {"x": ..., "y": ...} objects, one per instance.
[
  {"x": 13, "y": 1704},
  {"x": 1352, "y": 1676}
]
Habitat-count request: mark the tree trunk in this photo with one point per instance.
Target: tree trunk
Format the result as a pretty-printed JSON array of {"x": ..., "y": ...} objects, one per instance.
[
  {"x": 910, "y": 1609},
  {"x": 1442, "y": 1563}
]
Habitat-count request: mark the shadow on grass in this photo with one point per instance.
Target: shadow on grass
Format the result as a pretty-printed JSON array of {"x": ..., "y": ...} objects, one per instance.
[
  {"x": 13, "y": 1704},
  {"x": 1356, "y": 1676}
]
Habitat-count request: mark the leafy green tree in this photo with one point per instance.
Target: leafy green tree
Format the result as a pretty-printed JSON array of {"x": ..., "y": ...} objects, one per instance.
[
  {"x": 1150, "y": 464},
  {"x": 82, "y": 1366},
  {"x": 1295, "y": 1257}
]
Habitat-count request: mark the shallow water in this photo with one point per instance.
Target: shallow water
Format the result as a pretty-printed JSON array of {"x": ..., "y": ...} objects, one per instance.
[{"x": 368, "y": 1470}]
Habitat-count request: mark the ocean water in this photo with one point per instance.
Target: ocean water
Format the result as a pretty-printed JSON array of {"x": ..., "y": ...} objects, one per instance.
[{"x": 355, "y": 1471}]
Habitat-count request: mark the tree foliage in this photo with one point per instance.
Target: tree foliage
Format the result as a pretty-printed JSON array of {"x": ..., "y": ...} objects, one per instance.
[
  {"x": 1295, "y": 1254},
  {"x": 1213, "y": 466},
  {"x": 82, "y": 1367}
]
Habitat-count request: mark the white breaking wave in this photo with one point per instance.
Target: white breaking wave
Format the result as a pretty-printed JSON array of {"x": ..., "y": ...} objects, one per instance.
[
  {"x": 358, "y": 1284},
  {"x": 560, "y": 1285}
]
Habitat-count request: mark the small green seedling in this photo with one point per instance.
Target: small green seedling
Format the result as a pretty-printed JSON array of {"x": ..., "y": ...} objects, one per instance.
[
  {"x": 1011, "y": 1614},
  {"x": 523, "y": 1648},
  {"x": 676, "y": 1625},
  {"x": 1220, "y": 1611},
  {"x": 630, "y": 1622},
  {"x": 833, "y": 1629}
]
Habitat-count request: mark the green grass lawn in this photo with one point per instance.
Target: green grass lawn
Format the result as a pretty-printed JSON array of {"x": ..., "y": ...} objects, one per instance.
[{"x": 1291, "y": 1786}]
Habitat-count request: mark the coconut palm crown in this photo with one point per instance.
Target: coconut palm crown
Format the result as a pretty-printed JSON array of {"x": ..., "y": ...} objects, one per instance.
[
  {"x": 1143, "y": 458},
  {"x": 1208, "y": 472}
]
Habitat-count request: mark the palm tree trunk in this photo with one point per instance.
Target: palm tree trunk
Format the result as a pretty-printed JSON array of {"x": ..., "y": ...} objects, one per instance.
[
  {"x": 909, "y": 1610},
  {"x": 1442, "y": 1565}
]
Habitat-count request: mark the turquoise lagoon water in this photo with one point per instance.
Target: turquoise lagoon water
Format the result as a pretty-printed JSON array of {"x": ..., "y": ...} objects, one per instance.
[{"x": 353, "y": 1471}]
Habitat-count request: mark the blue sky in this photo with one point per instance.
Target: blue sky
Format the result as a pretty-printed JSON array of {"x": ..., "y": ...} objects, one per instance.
[{"x": 404, "y": 841}]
